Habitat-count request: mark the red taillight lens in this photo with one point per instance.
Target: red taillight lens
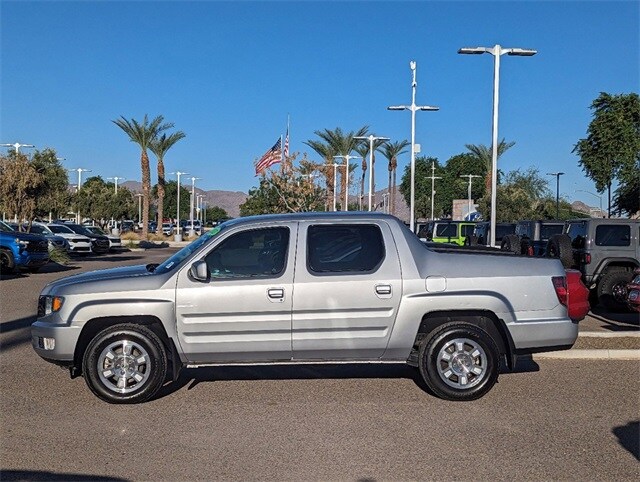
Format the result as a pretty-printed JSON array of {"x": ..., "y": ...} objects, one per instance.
[
  {"x": 586, "y": 257},
  {"x": 560, "y": 285}
]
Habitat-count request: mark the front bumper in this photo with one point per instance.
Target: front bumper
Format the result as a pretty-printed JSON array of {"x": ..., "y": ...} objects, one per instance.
[
  {"x": 64, "y": 339},
  {"x": 31, "y": 260}
]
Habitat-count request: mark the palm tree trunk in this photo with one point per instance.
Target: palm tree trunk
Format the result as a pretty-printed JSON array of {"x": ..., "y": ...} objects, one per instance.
[
  {"x": 393, "y": 195},
  {"x": 146, "y": 185},
  {"x": 364, "y": 173},
  {"x": 161, "y": 182}
]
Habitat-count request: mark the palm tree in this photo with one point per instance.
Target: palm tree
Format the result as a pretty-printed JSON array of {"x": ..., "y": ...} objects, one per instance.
[
  {"x": 326, "y": 153},
  {"x": 363, "y": 150},
  {"x": 483, "y": 155},
  {"x": 391, "y": 150},
  {"x": 142, "y": 134},
  {"x": 159, "y": 146}
]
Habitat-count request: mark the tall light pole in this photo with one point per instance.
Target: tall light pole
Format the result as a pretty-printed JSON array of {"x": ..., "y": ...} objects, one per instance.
[
  {"x": 413, "y": 108},
  {"x": 593, "y": 194},
  {"x": 116, "y": 179},
  {"x": 198, "y": 208},
  {"x": 335, "y": 176},
  {"x": 139, "y": 196},
  {"x": 496, "y": 51},
  {"x": 557, "y": 174},
  {"x": 346, "y": 158},
  {"x": 433, "y": 177},
  {"x": 470, "y": 177},
  {"x": 192, "y": 232},
  {"x": 178, "y": 236},
  {"x": 79, "y": 170},
  {"x": 17, "y": 146},
  {"x": 371, "y": 139}
]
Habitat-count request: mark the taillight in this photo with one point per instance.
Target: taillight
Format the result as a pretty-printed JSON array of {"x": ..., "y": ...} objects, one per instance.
[
  {"x": 586, "y": 258},
  {"x": 560, "y": 285}
]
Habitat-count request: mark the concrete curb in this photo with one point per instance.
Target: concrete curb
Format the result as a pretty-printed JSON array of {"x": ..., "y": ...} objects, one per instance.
[
  {"x": 590, "y": 355},
  {"x": 610, "y": 334}
]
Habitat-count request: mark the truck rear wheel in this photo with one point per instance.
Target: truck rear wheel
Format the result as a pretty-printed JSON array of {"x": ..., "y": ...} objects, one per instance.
[
  {"x": 459, "y": 361},
  {"x": 125, "y": 363}
]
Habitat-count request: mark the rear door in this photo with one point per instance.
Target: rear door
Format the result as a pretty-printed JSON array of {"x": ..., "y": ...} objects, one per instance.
[
  {"x": 243, "y": 313},
  {"x": 348, "y": 288}
]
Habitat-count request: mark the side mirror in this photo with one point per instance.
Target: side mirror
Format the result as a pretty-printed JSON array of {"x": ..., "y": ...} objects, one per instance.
[{"x": 199, "y": 271}]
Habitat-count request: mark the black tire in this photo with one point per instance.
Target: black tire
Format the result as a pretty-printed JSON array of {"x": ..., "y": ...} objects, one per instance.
[
  {"x": 525, "y": 247},
  {"x": 559, "y": 246},
  {"x": 441, "y": 376},
  {"x": 147, "y": 360},
  {"x": 511, "y": 243},
  {"x": 7, "y": 263},
  {"x": 471, "y": 240},
  {"x": 612, "y": 290}
]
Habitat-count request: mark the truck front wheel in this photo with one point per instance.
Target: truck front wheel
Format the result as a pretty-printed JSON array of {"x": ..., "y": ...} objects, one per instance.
[
  {"x": 125, "y": 363},
  {"x": 459, "y": 361}
]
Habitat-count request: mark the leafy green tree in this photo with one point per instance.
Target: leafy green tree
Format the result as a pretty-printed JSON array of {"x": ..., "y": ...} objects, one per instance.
[
  {"x": 53, "y": 196},
  {"x": 611, "y": 150},
  {"x": 171, "y": 201},
  {"x": 627, "y": 197},
  {"x": 423, "y": 187},
  {"x": 391, "y": 150},
  {"x": 19, "y": 184},
  {"x": 143, "y": 134},
  {"x": 159, "y": 146},
  {"x": 215, "y": 213},
  {"x": 98, "y": 200}
]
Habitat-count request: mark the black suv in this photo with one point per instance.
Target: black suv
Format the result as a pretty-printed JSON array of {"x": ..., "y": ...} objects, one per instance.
[
  {"x": 532, "y": 237},
  {"x": 99, "y": 243},
  {"x": 606, "y": 251}
]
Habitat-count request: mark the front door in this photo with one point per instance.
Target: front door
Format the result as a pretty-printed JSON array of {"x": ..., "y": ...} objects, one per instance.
[
  {"x": 243, "y": 313},
  {"x": 347, "y": 290}
]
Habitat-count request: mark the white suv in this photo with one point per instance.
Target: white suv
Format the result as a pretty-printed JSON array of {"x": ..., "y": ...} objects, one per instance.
[{"x": 78, "y": 243}]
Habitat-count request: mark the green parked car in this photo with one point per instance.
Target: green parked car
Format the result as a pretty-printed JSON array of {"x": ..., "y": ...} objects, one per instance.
[{"x": 446, "y": 231}]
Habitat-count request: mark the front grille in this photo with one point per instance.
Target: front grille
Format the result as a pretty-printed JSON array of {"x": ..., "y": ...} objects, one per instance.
[
  {"x": 38, "y": 247},
  {"x": 78, "y": 240}
]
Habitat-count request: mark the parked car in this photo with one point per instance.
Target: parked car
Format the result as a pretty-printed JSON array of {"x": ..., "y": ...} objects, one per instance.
[
  {"x": 606, "y": 251},
  {"x": 55, "y": 241},
  {"x": 633, "y": 292},
  {"x": 21, "y": 251},
  {"x": 197, "y": 227},
  {"x": 482, "y": 233},
  {"x": 127, "y": 225},
  {"x": 446, "y": 231},
  {"x": 78, "y": 243},
  {"x": 99, "y": 242},
  {"x": 532, "y": 237},
  {"x": 114, "y": 241},
  {"x": 167, "y": 229},
  {"x": 366, "y": 289}
]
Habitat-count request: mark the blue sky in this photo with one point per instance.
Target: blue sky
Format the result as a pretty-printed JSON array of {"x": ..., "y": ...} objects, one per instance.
[{"x": 229, "y": 73}]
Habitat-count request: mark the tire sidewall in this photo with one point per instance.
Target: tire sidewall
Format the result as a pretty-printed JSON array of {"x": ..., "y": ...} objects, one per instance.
[
  {"x": 141, "y": 335},
  {"x": 605, "y": 289},
  {"x": 428, "y": 360}
]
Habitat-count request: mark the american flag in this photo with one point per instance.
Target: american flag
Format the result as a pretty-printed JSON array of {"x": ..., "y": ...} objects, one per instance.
[
  {"x": 286, "y": 144},
  {"x": 271, "y": 157}
]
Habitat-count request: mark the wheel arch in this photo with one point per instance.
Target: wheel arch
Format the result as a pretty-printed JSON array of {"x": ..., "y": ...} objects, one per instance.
[
  {"x": 485, "y": 319},
  {"x": 92, "y": 327}
]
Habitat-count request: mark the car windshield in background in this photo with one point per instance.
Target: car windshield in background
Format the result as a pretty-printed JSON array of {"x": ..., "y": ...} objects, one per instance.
[
  {"x": 5, "y": 228},
  {"x": 446, "y": 230},
  {"x": 96, "y": 230},
  {"x": 502, "y": 231},
  {"x": 546, "y": 231},
  {"x": 36, "y": 229},
  {"x": 59, "y": 229},
  {"x": 170, "y": 263}
]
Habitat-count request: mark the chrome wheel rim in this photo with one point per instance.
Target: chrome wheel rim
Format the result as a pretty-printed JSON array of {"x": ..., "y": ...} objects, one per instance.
[
  {"x": 462, "y": 363},
  {"x": 124, "y": 366}
]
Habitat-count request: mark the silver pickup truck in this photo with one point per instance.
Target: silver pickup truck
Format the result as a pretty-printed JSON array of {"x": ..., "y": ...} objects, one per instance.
[{"x": 311, "y": 287}]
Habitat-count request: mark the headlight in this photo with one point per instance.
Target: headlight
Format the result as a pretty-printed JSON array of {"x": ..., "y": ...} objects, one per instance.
[{"x": 49, "y": 304}]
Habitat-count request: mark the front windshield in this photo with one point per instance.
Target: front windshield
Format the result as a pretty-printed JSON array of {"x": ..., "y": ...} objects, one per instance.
[
  {"x": 170, "y": 263},
  {"x": 58, "y": 229},
  {"x": 36, "y": 229},
  {"x": 95, "y": 230},
  {"x": 5, "y": 228}
]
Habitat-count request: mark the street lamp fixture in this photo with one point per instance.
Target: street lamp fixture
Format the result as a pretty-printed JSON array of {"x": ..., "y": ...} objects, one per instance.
[
  {"x": 557, "y": 174},
  {"x": 470, "y": 177},
  {"x": 335, "y": 176},
  {"x": 178, "y": 236},
  {"x": 371, "y": 139},
  {"x": 17, "y": 146},
  {"x": 79, "y": 170},
  {"x": 496, "y": 51},
  {"x": 192, "y": 231},
  {"x": 413, "y": 108},
  {"x": 346, "y": 158},
  {"x": 116, "y": 179}
]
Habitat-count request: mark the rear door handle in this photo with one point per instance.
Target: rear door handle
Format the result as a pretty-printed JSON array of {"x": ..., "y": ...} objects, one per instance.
[
  {"x": 383, "y": 290},
  {"x": 276, "y": 294}
]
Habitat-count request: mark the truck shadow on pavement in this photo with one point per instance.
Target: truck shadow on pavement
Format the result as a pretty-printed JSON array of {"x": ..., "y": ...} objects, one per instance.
[
  {"x": 46, "y": 475},
  {"x": 14, "y": 333},
  {"x": 192, "y": 377},
  {"x": 629, "y": 437},
  {"x": 616, "y": 321}
]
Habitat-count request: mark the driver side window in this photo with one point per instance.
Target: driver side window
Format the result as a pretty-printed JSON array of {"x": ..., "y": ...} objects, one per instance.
[{"x": 258, "y": 253}]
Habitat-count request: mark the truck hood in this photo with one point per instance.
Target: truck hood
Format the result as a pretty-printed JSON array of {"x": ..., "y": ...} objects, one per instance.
[{"x": 113, "y": 279}]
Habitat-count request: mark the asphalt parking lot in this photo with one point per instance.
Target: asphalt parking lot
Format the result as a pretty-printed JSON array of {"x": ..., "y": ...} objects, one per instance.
[{"x": 551, "y": 419}]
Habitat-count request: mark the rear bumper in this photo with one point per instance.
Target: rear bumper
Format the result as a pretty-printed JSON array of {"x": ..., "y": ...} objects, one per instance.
[{"x": 543, "y": 335}]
